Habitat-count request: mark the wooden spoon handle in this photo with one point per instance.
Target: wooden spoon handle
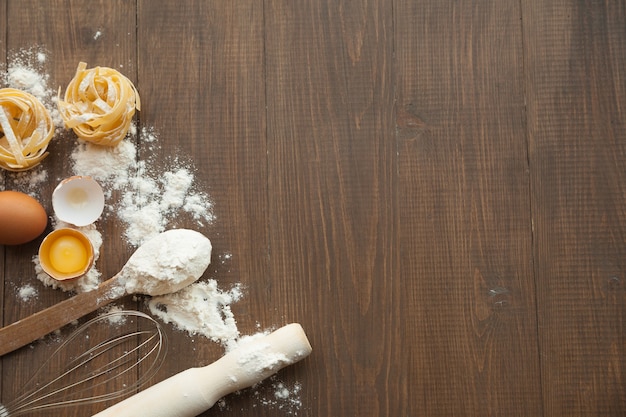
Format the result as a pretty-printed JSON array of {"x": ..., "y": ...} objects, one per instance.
[{"x": 31, "y": 328}]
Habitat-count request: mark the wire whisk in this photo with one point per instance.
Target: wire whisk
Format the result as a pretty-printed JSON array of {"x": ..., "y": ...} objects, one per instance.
[{"x": 119, "y": 349}]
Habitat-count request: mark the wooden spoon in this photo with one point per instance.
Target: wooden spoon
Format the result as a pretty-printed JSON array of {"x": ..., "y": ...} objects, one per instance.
[{"x": 165, "y": 264}]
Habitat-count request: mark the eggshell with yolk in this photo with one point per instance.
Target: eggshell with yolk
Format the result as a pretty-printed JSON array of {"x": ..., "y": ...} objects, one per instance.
[{"x": 22, "y": 218}]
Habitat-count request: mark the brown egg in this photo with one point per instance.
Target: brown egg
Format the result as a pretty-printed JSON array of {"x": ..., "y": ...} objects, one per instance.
[{"x": 22, "y": 218}]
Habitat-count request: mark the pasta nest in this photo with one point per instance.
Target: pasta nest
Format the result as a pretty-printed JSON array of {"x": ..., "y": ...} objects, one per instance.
[
  {"x": 99, "y": 105},
  {"x": 27, "y": 129}
]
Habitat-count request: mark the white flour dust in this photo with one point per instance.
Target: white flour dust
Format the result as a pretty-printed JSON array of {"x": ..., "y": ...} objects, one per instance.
[
  {"x": 200, "y": 309},
  {"x": 150, "y": 198},
  {"x": 28, "y": 182},
  {"x": 280, "y": 395},
  {"x": 27, "y": 292},
  {"x": 272, "y": 393},
  {"x": 26, "y": 71}
]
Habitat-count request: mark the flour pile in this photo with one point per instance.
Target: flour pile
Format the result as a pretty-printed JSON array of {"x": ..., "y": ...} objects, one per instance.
[
  {"x": 27, "y": 292},
  {"x": 201, "y": 309}
]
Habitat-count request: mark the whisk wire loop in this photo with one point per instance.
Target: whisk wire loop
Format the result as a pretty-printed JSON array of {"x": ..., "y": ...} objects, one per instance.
[
  {"x": 81, "y": 386},
  {"x": 103, "y": 362}
]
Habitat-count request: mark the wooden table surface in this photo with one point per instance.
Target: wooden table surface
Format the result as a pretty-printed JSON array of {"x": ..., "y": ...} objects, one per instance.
[{"x": 434, "y": 189}]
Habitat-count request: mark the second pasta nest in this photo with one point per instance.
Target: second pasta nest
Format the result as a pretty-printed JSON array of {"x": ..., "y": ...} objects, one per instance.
[{"x": 99, "y": 105}]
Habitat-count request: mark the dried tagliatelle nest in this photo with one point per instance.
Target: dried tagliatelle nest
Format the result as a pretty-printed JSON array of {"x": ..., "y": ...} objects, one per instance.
[
  {"x": 27, "y": 128},
  {"x": 99, "y": 105}
]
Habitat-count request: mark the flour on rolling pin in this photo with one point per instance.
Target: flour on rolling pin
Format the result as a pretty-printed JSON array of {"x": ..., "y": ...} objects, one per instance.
[{"x": 195, "y": 390}]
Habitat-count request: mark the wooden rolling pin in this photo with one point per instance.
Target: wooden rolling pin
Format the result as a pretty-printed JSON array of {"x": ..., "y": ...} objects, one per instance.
[{"x": 195, "y": 390}]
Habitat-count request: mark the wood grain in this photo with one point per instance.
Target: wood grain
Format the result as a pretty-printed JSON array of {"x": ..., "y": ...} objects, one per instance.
[
  {"x": 42, "y": 323},
  {"x": 577, "y": 135},
  {"x": 434, "y": 189},
  {"x": 205, "y": 81},
  {"x": 64, "y": 31},
  {"x": 332, "y": 166},
  {"x": 465, "y": 235}
]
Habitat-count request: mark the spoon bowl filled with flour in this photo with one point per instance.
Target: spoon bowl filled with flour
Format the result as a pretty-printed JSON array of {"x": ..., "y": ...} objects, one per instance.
[{"x": 166, "y": 263}]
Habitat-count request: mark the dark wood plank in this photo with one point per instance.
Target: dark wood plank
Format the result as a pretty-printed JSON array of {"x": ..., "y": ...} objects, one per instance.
[
  {"x": 332, "y": 196},
  {"x": 576, "y": 66},
  {"x": 465, "y": 234},
  {"x": 202, "y": 79},
  {"x": 65, "y": 31}
]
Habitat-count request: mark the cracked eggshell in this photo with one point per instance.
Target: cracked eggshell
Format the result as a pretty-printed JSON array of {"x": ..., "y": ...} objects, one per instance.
[{"x": 78, "y": 200}]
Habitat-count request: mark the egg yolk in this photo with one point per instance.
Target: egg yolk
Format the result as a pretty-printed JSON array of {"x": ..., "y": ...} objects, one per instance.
[{"x": 68, "y": 254}]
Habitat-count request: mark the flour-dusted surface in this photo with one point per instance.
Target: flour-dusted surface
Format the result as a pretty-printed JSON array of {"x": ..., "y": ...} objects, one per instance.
[
  {"x": 27, "y": 292},
  {"x": 204, "y": 309},
  {"x": 150, "y": 198},
  {"x": 201, "y": 309},
  {"x": 26, "y": 71}
]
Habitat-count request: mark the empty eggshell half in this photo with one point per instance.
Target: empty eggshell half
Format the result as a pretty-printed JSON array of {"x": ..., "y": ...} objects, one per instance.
[{"x": 78, "y": 200}]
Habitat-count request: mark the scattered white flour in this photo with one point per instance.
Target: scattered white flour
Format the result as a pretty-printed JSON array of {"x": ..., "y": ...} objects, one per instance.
[
  {"x": 281, "y": 396},
  {"x": 110, "y": 166},
  {"x": 26, "y": 79},
  {"x": 150, "y": 199},
  {"x": 202, "y": 308},
  {"x": 114, "y": 319},
  {"x": 273, "y": 393},
  {"x": 26, "y": 72},
  {"x": 28, "y": 182},
  {"x": 27, "y": 292},
  {"x": 31, "y": 181}
]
